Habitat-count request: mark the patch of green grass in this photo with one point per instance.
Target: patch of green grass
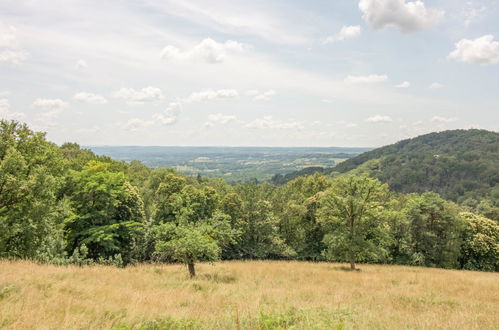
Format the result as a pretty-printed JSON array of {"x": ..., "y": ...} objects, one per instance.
[
  {"x": 163, "y": 324},
  {"x": 8, "y": 290}
]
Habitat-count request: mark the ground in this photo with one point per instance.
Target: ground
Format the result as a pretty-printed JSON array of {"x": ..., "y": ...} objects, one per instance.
[{"x": 246, "y": 295}]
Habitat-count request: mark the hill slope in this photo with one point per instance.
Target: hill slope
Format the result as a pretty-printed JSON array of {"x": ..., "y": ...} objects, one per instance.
[
  {"x": 245, "y": 295},
  {"x": 457, "y": 164}
]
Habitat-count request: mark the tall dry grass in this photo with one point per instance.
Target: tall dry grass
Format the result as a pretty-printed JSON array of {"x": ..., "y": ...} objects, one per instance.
[{"x": 246, "y": 295}]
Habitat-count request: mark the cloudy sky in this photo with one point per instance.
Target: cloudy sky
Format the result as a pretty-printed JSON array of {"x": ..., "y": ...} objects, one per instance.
[{"x": 249, "y": 73}]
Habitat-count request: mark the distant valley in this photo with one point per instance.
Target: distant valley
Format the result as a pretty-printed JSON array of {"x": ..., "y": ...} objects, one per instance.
[{"x": 235, "y": 164}]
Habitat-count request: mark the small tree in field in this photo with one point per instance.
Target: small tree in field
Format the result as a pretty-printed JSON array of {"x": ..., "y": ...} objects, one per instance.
[
  {"x": 350, "y": 213},
  {"x": 187, "y": 244}
]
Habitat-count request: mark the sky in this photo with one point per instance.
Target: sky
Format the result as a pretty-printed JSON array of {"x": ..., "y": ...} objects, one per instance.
[{"x": 350, "y": 73}]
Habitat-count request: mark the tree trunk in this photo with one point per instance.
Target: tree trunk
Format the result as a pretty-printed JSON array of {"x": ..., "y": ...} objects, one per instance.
[
  {"x": 192, "y": 270},
  {"x": 352, "y": 265}
]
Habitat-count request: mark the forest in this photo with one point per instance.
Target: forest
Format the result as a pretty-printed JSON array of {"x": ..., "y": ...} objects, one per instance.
[{"x": 65, "y": 205}]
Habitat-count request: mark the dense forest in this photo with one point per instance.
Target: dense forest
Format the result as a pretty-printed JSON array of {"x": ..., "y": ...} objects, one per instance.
[
  {"x": 460, "y": 165},
  {"x": 66, "y": 205}
]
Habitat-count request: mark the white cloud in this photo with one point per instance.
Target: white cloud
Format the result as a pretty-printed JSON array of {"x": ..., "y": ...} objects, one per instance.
[
  {"x": 221, "y": 118},
  {"x": 267, "y": 122},
  {"x": 439, "y": 119},
  {"x": 135, "y": 124},
  {"x": 436, "y": 85},
  {"x": 261, "y": 96},
  {"x": 144, "y": 95},
  {"x": 405, "y": 84},
  {"x": 13, "y": 56},
  {"x": 210, "y": 94},
  {"x": 8, "y": 36},
  {"x": 405, "y": 16},
  {"x": 208, "y": 50},
  {"x": 379, "y": 119},
  {"x": 170, "y": 115},
  {"x": 5, "y": 112},
  {"x": 346, "y": 32},
  {"x": 9, "y": 43},
  {"x": 52, "y": 107},
  {"x": 81, "y": 64},
  {"x": 90, "y": 98},
  {"x": 483, "y": 50},
  {"x": 370, "y": 79}
]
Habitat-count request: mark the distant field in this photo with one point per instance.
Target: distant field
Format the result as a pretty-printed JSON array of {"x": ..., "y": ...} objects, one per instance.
[
  {"x": 246, "y": 295},
  {"x": 235, "y": 164}
]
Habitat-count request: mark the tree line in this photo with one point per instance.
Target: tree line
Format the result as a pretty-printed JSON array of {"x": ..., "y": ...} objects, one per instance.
[{"x": 66, "y": 205}]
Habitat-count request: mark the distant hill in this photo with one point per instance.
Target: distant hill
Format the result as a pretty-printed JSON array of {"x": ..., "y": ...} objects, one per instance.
[{"x": 457, "y": 164}]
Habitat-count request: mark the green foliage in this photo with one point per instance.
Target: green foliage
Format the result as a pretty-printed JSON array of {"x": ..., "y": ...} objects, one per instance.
[
  {"x": 259, "y": 226},
  {"x": 109, "y": 212},
  {"x": 352, "y": 211},
  {"x": 435, "y": 227},
  {"x": 186, "y": 244},
  {"x": 480, "y": 249},
  {"x": 65, "y": 205},
  {"x": 457, "y": 164},
  {"x": 30, "y": 176}
]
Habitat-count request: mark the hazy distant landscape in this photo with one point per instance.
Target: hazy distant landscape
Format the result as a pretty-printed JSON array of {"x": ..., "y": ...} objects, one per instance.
[{"x": 235, "y": 164}]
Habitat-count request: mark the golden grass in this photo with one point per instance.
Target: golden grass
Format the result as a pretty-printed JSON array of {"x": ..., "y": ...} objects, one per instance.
[{"x": 246, "y": 295}]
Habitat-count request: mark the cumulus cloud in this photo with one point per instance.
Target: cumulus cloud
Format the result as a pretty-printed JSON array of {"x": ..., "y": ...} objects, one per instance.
[
  {"x": 483, "y": 50},
  {"x": 135, "y": 124},
  {"x": 439, "y": 119},
  {"x": 90, "y": 98},
  {"x": 221, "y": 118},
  {"x": 405, "y": 84},
  {"x": 8, "y": 37},
  {"x": 5, "y": 112},
  {"x": 51, "y": 107},
  {"x": 9, "y": 44},
  {"x": 208, "y": 50},
  {"x": 268, "y": 122},
  {"x": 81, "y": 64},
  {"x": 210, "y": 94},
  {"x": 379, "y": 119},
  {"x": 370, "y": 79},
  {"x": 346, "y": 32},
  {"x": 144, "y": 95},
  {"x": 261, "y": 96},
  {"x": 405, "y": 16},
  {"x": 436, "y": 85},
  {"x": 13, "y": 56},
  {"x": 170, "y": 115}
]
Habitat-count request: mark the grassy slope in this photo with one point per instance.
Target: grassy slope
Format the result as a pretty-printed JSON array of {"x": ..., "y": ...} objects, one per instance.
[{"x": 253, "y": 295}]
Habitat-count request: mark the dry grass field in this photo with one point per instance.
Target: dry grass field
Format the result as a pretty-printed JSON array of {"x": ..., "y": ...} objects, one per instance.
[{"x": 246, "y": 295}]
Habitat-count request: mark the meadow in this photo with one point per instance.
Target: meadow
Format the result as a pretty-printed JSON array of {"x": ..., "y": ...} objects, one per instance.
[{"x": 245, "y": 295}]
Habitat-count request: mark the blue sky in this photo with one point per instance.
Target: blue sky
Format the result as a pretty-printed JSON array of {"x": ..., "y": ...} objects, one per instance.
[{"x": 249, "y": 73}]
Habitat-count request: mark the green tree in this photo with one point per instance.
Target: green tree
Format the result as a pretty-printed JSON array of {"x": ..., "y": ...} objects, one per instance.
[
  {"x": 109, "y": 212},
  {"x": 30, "y": 177},
  {"x": 480, "y": 248},
  {"x": 188, "y": 244},
  {"x": 258, "y": 225},
  {"x": 435, "y": 230},
  {"x": 351, "y": 215}
]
